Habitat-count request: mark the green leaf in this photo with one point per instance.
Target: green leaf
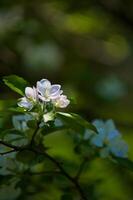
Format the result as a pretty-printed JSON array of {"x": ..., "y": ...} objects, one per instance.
[
  {"x": 9, "y": 191},
  {"x": 67, "y": 196},
  {"x": 75, "y": 120},
  {"x": 16, "y": 83},
  {"x": 14, "y": 136},
  {"x": 25, "y": 156},
  {"x": 32, "y": 124},
  {"x": 49, "y": 130},
  {"x": 17, "y": 110},
  {"x": 124, "y": 162},
  {"x": 11, "y": 132},
  {"x": 5, "y": 179}
]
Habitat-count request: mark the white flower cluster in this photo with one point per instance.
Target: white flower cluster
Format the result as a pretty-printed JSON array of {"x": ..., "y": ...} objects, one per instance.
[{"x": 44, "y": 93}]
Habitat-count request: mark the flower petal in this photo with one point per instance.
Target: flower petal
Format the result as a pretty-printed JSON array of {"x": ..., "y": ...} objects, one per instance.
[
  {"x": 43, "y": 85},
  {"x": 61, "y": 101},
  {"x": 25, "y": 103},
  {"x": 29, "y": 92},
  {"x": 98, "y": 123},
  {"x": 48, "y": 117},
  {"x": 55, "y": 91},
  {"x": 97, "y": 141},
  {"x": 119, "y": 148},
  {"x": 43, "y": 98},
  {"x": 113, "y": 134},
  {"x": 35, "y": 93},
  {"x": 109, "y": 125}
]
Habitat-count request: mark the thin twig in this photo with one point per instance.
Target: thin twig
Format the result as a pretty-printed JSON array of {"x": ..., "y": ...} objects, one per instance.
[
  {"x": 7, "y": 152},
  {"x": 63, "y": 171},
  {"x": 16, "y": 148},
  {"x": 53, "y": 160}
]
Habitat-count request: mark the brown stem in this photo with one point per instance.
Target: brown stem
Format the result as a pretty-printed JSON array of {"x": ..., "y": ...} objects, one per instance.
[
  {"x": 7, "y": 152},
  {"x": 16, "y": 148},
  {"x": 63, "y": 171},
  {"x": 53, "y": 160}
]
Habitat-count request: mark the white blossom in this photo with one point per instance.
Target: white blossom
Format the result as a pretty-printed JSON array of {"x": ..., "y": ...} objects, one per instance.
[
  {"x": 44, "y": 92},
  {"x": 29, "y": 99},
  {"x": 61, "y": 101},
  {"x": 31, "y": 93},
  {"x": 48, "y": 117},
  {"x": 47, "y": 91}
]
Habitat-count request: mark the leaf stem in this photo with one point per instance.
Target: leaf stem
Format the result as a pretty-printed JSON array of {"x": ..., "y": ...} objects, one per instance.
[
  {"x": 34, "y": 134},
  {"x": 81, "y": 168}
]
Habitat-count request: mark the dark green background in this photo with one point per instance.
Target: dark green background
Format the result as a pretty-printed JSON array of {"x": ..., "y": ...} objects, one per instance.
[{"x": 87, "y": 47}]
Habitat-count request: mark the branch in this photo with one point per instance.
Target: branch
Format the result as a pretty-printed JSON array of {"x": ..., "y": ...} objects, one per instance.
[
  {"x": 7, "y": 152},
  {"x": 53, "y": 160},
  {"x": 63, "y": 171},
  {"x": 15, "y": 148}
]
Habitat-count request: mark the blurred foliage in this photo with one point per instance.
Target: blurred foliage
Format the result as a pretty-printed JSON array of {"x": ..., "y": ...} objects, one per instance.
[{"x": 87, "y": 46}]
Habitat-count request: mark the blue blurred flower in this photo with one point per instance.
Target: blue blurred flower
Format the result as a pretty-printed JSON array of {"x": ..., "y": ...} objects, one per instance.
[{"x": 109, "y": 139}]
